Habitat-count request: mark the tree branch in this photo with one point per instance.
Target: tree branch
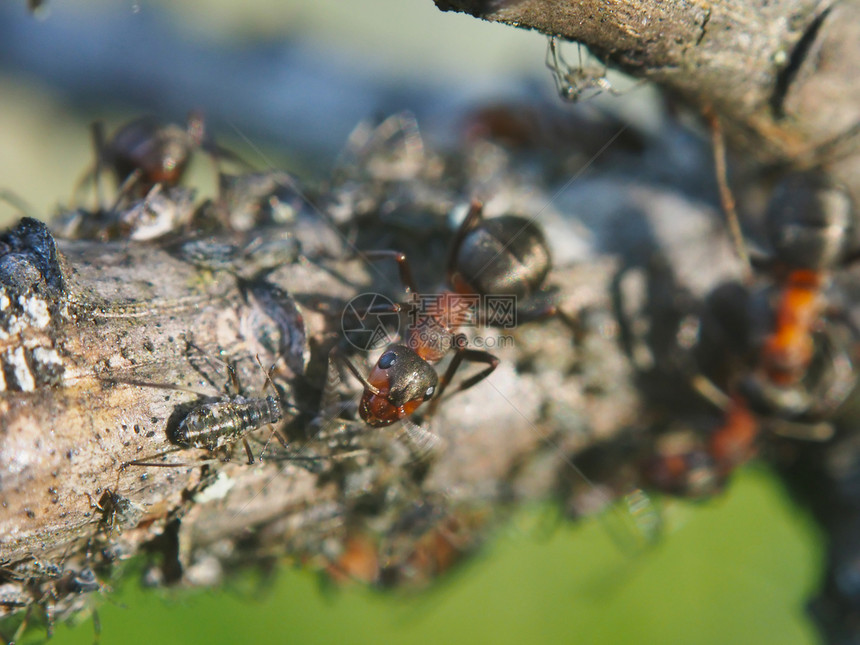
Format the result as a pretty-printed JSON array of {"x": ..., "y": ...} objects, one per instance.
[{"x": 781, "y": 75}]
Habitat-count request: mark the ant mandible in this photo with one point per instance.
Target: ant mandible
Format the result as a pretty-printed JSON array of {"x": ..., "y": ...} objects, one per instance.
[{"x": 505, "y": 255}]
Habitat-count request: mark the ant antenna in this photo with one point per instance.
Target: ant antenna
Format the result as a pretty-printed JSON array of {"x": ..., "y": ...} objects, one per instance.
[{"x": 358, "y": 375}]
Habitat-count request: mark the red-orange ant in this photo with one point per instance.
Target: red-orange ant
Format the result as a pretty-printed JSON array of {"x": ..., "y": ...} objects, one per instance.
[
  {"x": 501, "y": 256},
  {"x": 800, "y": 368}
]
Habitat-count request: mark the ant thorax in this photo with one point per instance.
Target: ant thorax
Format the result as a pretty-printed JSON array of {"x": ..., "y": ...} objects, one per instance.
[{"x": 434, "y": 321}]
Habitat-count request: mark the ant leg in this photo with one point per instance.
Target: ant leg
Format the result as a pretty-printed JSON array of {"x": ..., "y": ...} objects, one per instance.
[
  {"x": 382, "y": 308},
  {"x": 726, "y": 197},
  {"x": 475, "y": 214},
  {"x": 248, "y": 452},
  {"x": 93, "y": 173},
  {"x": 402, "y": 266},
  {"x": 97, "y": 131},
  {"x": 18, "y": 202},
  {"x": 542, "y": 308},
  {"x": 473, "y": 356}
]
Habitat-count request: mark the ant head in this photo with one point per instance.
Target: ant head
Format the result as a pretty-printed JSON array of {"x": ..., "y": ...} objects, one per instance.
[
  {"x": 159, "y": 153},
  {"x": 808, "y": 219},
  {"x": 400, "y": 381},
  {"x": 506, "y": 255}
]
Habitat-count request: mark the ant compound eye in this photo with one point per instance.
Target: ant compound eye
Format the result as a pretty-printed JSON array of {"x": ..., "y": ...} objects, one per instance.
[
  {"x": 387, "y": 360},
  {"x": 429, "y": 393}
]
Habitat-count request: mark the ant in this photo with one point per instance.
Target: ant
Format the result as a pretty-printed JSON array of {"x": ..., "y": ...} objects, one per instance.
[
  {"x": 799, "y": 365},
  {"x": 148, "y": 161},
  {"x": 143, "y": 153},
  {"x": 574, "y": 83},
  {"x": 503, "y": 256}
]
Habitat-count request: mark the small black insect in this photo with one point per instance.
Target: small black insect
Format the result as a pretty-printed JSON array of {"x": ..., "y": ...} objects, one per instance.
[{"x": 575, "y": 83}]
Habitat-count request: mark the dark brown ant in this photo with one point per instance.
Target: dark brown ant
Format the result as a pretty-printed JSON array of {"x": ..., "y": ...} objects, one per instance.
[
  {"x": 148, "y": 161},
  {"x": 801, "y": 366},
  {"x": 506, "y": 255},
  {"x": 144, "y": 153}
]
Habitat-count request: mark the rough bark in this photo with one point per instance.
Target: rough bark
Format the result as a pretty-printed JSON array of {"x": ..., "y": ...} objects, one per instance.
[
  {"x": 781, "y": 75},
  {"x": 109, "y": 340},
  {"x": 107, "y": 345}
]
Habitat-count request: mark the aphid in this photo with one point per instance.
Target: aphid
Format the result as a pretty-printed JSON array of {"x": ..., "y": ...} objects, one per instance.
[
  {"x": 217, "y": 424},
  {"x": 54, "y": 589},
  {"x": 575, "y": 83},
  {"x": 158, "y": 213},
  {"x": 117, "y": 511}
]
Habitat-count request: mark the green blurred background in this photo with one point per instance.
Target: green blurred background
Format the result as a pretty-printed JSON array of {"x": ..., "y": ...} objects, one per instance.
[
  {"x": 734, "y": 570},
  {"x": 737, "y": 569}
]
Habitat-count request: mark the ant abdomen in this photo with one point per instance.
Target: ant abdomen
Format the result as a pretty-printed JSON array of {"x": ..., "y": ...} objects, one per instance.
[
  {"x": 160, "y": 153},
  {"x": 505, "y": 255}
]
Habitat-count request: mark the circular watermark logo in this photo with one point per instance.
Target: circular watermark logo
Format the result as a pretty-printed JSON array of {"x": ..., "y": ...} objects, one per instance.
[{"x": 370, "y": 321}]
